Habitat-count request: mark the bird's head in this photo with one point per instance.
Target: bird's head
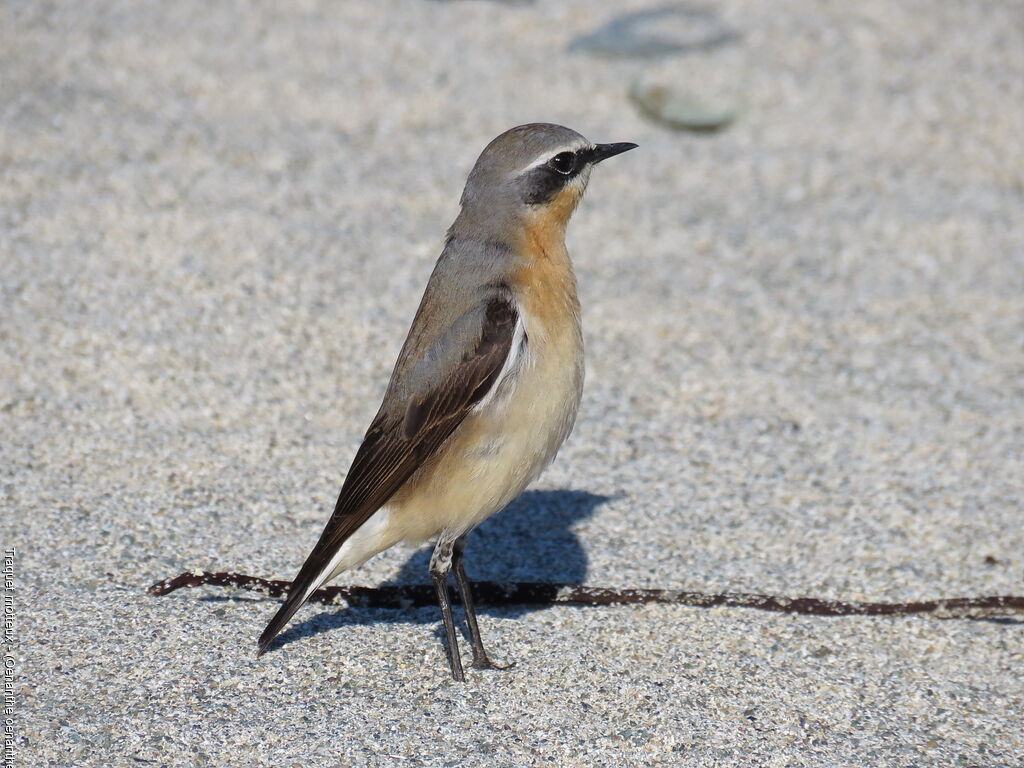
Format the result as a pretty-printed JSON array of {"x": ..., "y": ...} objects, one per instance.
[{"x": 532, "y": 175}]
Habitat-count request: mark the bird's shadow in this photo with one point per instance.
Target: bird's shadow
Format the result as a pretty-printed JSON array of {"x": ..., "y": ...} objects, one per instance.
[{"x": 531, "y": 540}]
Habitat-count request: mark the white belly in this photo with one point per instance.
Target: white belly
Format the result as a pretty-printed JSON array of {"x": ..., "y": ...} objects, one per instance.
[
  {"x": 496, "y": 452},
  {"x": 503, "y": 446}
]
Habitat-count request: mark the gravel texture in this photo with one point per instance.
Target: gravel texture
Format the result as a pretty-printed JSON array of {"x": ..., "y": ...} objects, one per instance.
[{"x": 805, "y": 341}]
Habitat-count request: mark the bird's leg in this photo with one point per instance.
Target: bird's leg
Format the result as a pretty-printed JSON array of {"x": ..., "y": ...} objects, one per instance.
[
  {"x": 440, "y": 564},
  {"x": 480, "y": 660}
]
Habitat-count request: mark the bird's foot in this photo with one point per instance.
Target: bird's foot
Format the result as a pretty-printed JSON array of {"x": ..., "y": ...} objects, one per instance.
[{"x": 482, "y": 662}]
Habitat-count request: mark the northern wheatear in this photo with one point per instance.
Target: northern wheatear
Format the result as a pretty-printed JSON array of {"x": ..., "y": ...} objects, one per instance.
[{"x": 487, "y": 384}]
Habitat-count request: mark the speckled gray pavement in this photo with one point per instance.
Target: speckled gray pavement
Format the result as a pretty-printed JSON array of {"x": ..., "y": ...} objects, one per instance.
[{"x": 805, "y": 340}]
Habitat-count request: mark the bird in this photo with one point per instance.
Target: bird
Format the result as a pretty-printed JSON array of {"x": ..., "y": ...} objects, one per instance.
[{"x": 487, "y": 384}]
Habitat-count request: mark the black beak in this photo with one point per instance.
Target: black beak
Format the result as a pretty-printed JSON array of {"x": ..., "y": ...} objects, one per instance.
[{"x": 600, "y": 152}]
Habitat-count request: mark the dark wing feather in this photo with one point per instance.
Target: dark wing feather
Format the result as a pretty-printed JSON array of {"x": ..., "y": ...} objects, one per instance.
[{"x": 395, "y": 447}]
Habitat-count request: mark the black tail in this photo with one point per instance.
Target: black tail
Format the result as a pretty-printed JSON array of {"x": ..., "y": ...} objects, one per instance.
[{"x": 296, "y": 597}]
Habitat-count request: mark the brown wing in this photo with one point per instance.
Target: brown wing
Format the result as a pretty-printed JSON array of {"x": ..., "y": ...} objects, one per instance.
[{"x": 395, "y": 447}]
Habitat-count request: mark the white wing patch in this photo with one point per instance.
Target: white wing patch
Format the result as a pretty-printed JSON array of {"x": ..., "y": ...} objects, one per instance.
[{"x": 516, "y": 356}]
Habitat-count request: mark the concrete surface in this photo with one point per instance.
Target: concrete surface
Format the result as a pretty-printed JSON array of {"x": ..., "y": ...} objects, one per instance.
[{"x": 806, "y": 377}]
